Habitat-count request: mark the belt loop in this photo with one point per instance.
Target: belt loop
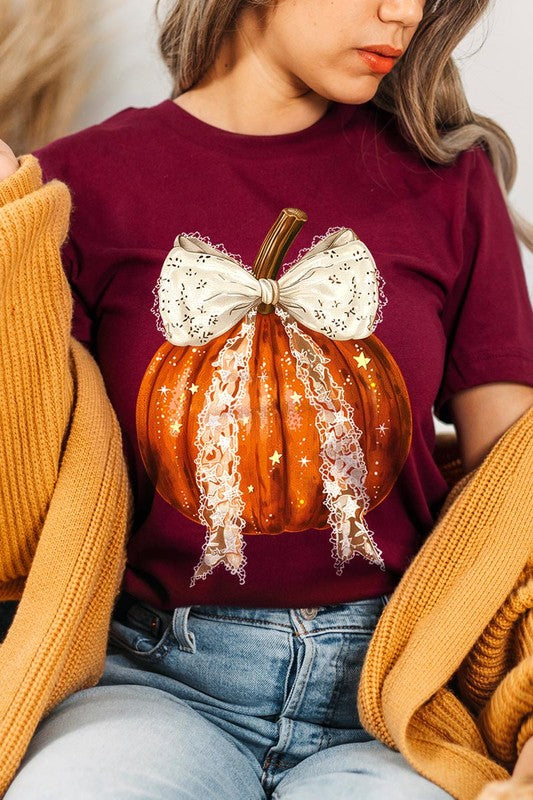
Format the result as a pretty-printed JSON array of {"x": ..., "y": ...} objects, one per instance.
[
  {"x": 385, "y": 599},
  {"x": 184, "y": 637}
]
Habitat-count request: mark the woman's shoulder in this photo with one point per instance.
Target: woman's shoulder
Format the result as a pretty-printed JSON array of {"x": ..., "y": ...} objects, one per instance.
[{"x": 92, "y": 147}]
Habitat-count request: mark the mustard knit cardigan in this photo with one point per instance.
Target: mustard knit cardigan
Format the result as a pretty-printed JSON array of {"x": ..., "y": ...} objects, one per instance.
[{"x": 463, "y": 611}]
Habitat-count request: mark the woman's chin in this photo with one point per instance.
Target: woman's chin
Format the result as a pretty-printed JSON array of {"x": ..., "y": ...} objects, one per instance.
[{"x": 351, "y": 94}]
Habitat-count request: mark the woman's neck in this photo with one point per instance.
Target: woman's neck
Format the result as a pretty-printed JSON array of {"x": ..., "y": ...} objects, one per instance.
[
  {"x": 244, "y": 91},
  {"x": 230, "y": 111}
]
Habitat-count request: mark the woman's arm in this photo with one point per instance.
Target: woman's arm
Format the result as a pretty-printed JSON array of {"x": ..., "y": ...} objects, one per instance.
[
  {"x": 524, "y": 765},
  {"x": 520, "y": 786},
  {"x": 483, "y": 413}
]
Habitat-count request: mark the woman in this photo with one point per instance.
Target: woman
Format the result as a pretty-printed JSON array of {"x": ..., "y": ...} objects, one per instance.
[{"x": 273, "y": 110}]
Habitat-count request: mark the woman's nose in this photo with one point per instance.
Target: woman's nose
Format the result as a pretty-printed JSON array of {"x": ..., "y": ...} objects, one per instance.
[{"x": 406, "y": 12}]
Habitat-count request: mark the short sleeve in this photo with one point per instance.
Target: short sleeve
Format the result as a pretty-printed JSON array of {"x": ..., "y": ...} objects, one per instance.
[
  {"x": 82, "y": 320},
  {"x": 487, "y": 317}
]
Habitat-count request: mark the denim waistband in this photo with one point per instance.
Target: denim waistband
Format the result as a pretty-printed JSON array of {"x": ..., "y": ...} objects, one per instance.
[{"x": 128, "y": 608}]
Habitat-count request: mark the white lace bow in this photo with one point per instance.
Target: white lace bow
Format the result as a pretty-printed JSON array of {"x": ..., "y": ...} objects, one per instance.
[{"x": 332, "y": 289}]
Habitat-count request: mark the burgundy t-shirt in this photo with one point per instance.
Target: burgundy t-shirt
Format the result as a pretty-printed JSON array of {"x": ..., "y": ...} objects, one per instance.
[{"x": 457, "y": 312}]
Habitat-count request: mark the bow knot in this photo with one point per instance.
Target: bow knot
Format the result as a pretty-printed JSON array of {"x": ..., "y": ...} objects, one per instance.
[{"x": 269, "y": 291}]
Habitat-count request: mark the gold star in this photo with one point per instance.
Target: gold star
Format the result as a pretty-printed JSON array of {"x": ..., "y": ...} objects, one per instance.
[
  {"x": 250, "y": 488},
  {"x": 245, "y": 420},
  {"x": 362, "y": 360},
  {"x": 193, "y": 388},
  {"x": 275, "y": 457},
  {"x": 295, "y": 397},
  {"x": 304, "y": 461},
  {"x": 176, "y": 427}
]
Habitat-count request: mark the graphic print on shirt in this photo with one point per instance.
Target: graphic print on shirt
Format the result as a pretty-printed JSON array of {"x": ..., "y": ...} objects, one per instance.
[{"x": 272, "y": 407}]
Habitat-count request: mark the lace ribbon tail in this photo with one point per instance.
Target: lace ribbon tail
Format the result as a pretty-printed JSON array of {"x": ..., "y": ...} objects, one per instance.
[
  {"x": 352, "y": 534},
  {"x": 217, "y": 461},
  {"x": 218, "y": 549},
  {"x": 343, "y": 466}
]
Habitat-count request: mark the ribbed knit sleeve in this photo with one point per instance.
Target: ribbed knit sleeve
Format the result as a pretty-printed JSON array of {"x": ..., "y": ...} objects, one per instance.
[
  {"x": 35, "y": 316},
  {"x": 65, "y": 500}
]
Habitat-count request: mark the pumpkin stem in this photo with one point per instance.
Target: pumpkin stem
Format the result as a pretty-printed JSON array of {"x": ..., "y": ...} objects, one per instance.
[{"x": 275, "y": 245}]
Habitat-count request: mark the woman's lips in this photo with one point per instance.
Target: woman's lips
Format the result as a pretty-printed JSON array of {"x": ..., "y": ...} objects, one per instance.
[{"x": 379, "y": 63}]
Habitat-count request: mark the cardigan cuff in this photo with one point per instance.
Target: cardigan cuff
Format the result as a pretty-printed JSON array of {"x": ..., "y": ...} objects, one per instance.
[{"x": 26, "y": 179}]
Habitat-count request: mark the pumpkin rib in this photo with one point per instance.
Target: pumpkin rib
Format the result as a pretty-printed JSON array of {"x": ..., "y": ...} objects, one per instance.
[
  {"x": 274, "y": 475},
  {"x": 277, "y": 368},
  {"x": 180, "y": 455},
  {"x": 346, "y": 351},
  {"x": 188, "y": 454},
  {"x": 143, "y": 411},
  {"x": 251, "y": 456}
]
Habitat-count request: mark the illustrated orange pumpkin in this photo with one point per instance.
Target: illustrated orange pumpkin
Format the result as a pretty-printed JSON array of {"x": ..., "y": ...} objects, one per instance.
[{"x": 278, "y": 438}]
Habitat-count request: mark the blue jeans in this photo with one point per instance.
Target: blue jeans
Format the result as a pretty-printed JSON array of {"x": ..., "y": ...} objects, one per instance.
[{"x": 222, "y": 703}]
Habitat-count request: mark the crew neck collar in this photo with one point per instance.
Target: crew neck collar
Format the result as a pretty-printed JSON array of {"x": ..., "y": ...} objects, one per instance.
[{"x": 202, "y": 132}]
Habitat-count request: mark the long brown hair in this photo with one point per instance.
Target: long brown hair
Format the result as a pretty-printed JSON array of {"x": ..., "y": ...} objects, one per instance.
[{"x": 424, "y": 91}]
